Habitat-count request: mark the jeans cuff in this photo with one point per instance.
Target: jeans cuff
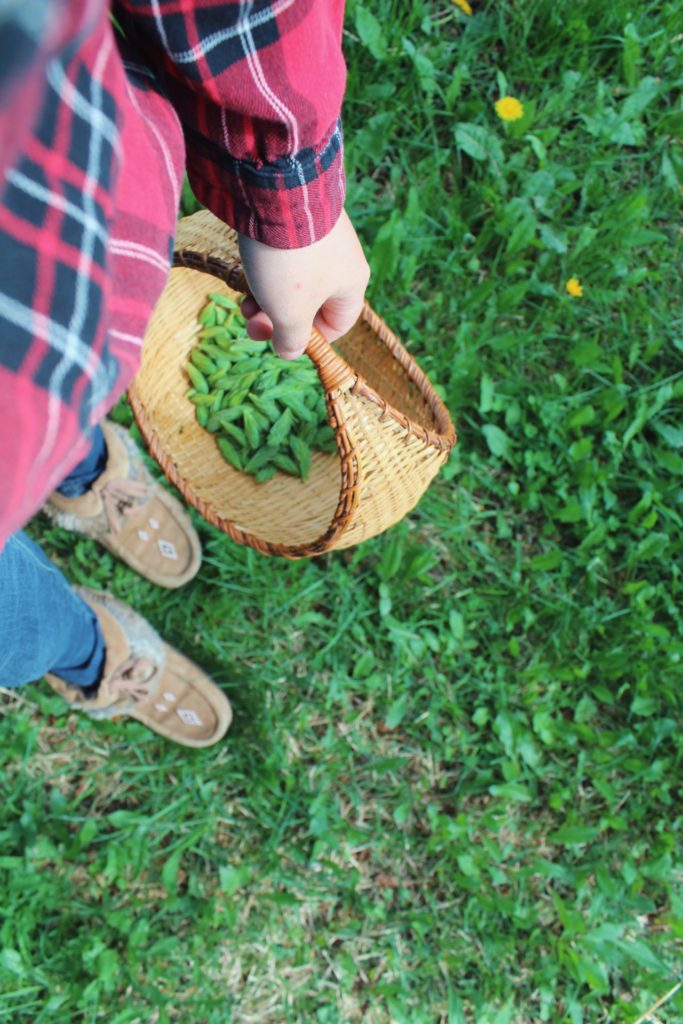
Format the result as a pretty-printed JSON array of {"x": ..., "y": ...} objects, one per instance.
[{"x": 83, "y": 476}]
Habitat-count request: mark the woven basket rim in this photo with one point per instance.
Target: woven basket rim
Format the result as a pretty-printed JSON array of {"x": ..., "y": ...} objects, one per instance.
[{"x": 443, "y": 439}]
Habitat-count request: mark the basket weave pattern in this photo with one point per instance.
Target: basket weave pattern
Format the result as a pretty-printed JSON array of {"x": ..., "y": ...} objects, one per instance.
[{"x": 393, "y": 432}]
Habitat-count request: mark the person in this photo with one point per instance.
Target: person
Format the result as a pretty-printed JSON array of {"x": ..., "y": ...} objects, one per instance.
[{"x": 101, "y": 112}]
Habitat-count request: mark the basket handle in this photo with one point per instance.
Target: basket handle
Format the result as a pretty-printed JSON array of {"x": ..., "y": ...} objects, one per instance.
[{"x": 334, "y": 372}]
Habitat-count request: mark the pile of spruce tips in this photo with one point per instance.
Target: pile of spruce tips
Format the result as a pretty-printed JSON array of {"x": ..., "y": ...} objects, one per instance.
[{"x": 266, "y": 414}]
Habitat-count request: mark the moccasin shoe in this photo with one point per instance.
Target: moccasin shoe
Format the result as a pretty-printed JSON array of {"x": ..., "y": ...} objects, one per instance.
[
  {"x": 133, "y": 516},
  {"x": 146, "y": 679}
]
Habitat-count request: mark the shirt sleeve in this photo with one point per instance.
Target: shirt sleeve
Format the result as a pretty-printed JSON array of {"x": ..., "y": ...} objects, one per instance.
[
  {"x": 31, "y": 33},
  {"x": 258, "y": 86}
]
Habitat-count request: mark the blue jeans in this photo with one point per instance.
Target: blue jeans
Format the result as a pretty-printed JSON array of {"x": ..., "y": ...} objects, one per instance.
[{"x": 44, "y": 625}]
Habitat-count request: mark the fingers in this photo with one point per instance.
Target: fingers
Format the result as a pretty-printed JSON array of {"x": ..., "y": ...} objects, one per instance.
[
  {"x": 333, "y": 320},
  {"x": 338, "y": 315},
  {"x": 291, "y": 341},
  {"x": 260, "y": 326},
  {"x": 249, "y": 307},
  {"x": 288, "y": 340}
]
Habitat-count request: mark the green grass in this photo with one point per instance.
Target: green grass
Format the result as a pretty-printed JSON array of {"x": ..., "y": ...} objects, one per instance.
[{"x": 452, "y": 790}]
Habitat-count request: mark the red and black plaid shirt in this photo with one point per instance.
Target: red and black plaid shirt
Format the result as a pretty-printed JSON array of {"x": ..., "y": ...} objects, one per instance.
[{"x": 96, "y": 128}]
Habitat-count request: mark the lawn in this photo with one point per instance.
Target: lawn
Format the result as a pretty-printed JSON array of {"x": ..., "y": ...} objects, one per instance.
[{"x": 452, "y": 790}]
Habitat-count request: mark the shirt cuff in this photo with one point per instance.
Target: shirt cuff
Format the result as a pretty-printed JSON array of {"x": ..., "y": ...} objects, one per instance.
[{"x": 288, "y": 204}]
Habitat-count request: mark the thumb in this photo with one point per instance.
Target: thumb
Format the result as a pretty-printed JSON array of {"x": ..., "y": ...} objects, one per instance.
[
  {"x": 339, "y": 314},
  {"x": 291, "y": 340}
]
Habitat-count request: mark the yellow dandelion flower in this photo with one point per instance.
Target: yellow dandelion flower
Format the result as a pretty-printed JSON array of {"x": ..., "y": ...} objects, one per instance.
[
  {"x": 509, "y": 109},
  {"x": 574, "y": 287},
  {"x": 463, "y": 5}
]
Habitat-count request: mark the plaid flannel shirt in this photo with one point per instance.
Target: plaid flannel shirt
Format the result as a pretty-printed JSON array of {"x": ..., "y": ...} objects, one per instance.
[{"x": 96, "y": 128}]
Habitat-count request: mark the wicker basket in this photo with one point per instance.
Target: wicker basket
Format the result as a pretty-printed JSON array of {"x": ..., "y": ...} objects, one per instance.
[{"x": 393, "y": 432}]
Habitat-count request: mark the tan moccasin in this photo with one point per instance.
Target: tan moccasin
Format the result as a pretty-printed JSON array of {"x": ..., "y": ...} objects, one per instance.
[
  {"x": 146, "y": 679},
  {"x": 133, "y": 516}
]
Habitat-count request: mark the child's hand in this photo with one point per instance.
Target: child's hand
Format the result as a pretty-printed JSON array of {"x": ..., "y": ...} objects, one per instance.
[{"x": 321, "y": 284}]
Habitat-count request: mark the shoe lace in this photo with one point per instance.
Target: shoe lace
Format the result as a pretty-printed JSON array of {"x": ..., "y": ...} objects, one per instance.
[
  {"x": 121, "y": 498},
  {"x": 134, "y": 679}
]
